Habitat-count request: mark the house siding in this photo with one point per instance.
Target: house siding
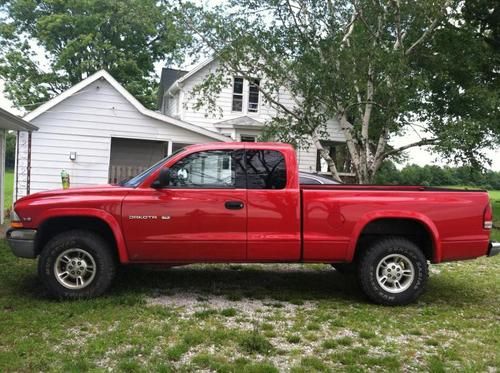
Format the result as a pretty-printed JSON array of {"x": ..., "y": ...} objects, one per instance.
[{"x": 85, "y": 123}]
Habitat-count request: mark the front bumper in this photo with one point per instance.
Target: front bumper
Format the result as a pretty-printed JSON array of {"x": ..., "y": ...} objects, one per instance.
[
  {"x": 494, "y": 248},
  {"x": 22, "y": 242}
]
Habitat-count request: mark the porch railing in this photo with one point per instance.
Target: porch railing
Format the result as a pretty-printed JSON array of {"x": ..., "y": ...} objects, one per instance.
[{"x": 118, "y": 173}]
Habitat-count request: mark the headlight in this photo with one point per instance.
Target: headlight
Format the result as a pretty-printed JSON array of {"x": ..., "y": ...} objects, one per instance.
[{"x": 14, "y": 216}]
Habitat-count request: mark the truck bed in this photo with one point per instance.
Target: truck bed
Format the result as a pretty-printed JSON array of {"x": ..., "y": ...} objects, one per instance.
[{"x": 335, "y": 216}]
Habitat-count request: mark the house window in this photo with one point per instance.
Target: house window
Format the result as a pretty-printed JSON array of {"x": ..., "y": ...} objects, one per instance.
[
  {"x": 340, "y": 155},
  {"x": 238, "y": 94},
  {"x": 253, "y": 96},
  {"x": 244, "y": 138}
]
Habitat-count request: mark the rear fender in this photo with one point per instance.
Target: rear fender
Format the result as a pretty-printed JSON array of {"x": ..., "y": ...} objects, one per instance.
[{"x": 411, "y": 215}]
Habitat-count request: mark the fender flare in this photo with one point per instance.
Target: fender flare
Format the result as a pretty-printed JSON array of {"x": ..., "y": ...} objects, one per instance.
[
  {"x": 102, "y": 215},
  {"x": 391, "y": 214}
]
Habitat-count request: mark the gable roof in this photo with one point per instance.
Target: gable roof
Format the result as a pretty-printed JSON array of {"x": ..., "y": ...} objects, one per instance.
[
  {"x": 102, "y": 74},
  {"x": 168, "y": 77},
  {"x": 189, "y": 74},
  {"x": 243, "y": 121},
  {"x": 10, "y": 121}
]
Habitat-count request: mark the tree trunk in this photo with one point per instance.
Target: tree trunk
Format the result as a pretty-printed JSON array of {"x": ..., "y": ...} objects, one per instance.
[{"x": 326, "y": 156}]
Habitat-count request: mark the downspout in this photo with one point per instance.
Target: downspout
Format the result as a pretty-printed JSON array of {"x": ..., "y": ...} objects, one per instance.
[
  {"x": 28, "y": 166},
  {"x": 16, "y": 166}
]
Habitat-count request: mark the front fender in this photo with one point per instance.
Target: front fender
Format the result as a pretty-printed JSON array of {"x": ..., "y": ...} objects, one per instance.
[
  {"x": 106, "y": 217},
  {"x": 395, "y": 214}
]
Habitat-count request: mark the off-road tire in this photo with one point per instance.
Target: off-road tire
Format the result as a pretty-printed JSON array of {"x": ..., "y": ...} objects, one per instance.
[
  {"x": 89, "y": 242},
  {"x": 371, "y": 258}
]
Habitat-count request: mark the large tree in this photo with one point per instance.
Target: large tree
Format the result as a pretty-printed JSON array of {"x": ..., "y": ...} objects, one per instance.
[
  {"x": 381, "y": 68},
  {"x": 49, "y": 45}
]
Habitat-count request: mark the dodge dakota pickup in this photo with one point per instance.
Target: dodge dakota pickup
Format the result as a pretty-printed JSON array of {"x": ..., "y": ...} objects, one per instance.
[{"x": 243, "y": 202}]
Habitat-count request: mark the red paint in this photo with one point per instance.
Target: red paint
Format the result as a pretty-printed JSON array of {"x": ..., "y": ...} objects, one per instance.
[{"x": 193, "y": 225}]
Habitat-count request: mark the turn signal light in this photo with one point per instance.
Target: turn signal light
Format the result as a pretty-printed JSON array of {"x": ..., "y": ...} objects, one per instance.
[
  {"x": 15, "y": 220},
  {"x": 488, "y": 217}
]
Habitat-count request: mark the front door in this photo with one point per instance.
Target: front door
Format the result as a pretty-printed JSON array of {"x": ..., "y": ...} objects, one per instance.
[{"x": 200, "y": 216}]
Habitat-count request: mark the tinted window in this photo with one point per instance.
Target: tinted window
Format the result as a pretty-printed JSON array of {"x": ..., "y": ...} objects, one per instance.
[
  {"x": 209, "y": 169},
  {"x": 265, "y": 169}
]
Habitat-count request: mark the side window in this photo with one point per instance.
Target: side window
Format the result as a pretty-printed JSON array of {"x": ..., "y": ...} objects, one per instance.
[
  {"x": 265, "y": 169},
  {"x": 209, "y": 169}
]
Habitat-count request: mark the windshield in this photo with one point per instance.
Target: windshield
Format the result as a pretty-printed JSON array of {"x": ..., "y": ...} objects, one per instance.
[{"x": 136, "y": 180}]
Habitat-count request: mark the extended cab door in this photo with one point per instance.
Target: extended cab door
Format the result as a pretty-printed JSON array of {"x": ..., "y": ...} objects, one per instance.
[
  {"x": 273, "y": 205},
  {"x": 200, "y": 216}
]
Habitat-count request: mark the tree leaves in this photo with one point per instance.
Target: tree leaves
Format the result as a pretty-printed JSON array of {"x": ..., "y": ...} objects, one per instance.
[
  {"x": 124, "y": 37},
  {"x": 379, "y": 68}
]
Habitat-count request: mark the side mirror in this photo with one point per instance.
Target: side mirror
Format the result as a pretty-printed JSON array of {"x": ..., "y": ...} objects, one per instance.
[{"x": 164, "y": 178}]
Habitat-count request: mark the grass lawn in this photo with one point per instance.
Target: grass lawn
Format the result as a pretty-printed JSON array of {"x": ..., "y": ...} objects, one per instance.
[
  {"x": 9, "y": 188},
  {"x": 495, "y": 202},
  {"x": 250, "y": 319}
]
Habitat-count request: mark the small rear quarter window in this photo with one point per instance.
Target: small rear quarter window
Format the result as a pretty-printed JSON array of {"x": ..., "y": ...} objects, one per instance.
[{"x": 266, "y": 169}]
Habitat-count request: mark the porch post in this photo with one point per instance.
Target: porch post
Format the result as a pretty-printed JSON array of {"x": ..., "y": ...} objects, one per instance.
[
  {"x": 3, "y": 134},
  {"x": 169, "y": 148}
]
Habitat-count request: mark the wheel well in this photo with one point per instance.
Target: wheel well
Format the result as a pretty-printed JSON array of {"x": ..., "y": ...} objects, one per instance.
[
  {"x": 54, "y": 226},
  {"x": 411, "y": 229}
]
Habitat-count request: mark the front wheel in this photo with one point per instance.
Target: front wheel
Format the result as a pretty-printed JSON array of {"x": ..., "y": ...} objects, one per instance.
[
  {"x": 77, "y": 264},
  {"x": 393, "y": 271}
]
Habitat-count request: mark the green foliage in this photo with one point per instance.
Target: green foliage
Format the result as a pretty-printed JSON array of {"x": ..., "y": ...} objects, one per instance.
[
  {"x": 78, "y": 38},
  {"x": 254, "y": 342},
  {"x": 10, "y": 150},
  {"x": 437, "y": 176},
  {"x": 379, "y": 68}
]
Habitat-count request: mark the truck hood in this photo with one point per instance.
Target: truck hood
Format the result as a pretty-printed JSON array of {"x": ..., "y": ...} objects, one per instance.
[{"x": 89, "y": 190}]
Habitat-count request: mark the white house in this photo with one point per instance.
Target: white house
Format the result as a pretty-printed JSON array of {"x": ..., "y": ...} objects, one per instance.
[
  {"x": 244, "y": 111},
  {"x": 98, "y": 133}
]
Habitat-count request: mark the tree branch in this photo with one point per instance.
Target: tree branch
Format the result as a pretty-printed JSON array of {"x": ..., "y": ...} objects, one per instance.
[
  {"x": 408, "y": 146},
  {"x": 429, "y": 30}
]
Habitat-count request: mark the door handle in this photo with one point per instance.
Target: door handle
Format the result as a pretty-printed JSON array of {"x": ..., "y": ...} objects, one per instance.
[{"x": 234, "y": 205}]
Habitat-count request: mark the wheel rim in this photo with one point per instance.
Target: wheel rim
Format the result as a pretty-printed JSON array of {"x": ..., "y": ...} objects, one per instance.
[
  {"x": 75, "y": 268},
  {"x": 395, "y": 273}
]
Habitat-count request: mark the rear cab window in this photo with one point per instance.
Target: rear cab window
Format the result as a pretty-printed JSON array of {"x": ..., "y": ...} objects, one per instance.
[{"x": 266, "y": 169}]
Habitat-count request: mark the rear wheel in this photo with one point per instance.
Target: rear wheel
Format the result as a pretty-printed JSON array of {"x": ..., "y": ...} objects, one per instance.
[
  {"x": 393, "y": 271},
  {"x": 77, "y": 264}
]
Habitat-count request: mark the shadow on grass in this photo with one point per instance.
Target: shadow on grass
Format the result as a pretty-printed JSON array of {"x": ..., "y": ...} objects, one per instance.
[{"x": 237, "y": 282}]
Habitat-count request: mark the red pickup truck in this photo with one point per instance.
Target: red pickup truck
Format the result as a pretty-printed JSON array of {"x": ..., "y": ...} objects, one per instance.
[{"x": 242, "y": 202}]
